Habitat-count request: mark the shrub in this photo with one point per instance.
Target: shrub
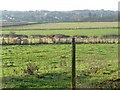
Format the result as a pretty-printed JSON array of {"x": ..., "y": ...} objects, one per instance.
[{"x": 31, "y": 69}]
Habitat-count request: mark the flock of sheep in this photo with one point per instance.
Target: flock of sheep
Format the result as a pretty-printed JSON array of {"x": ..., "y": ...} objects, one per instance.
[{"x": 54, "y": 39}]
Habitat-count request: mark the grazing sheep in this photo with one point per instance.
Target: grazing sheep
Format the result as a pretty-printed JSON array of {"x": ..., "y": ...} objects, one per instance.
[
  {"x": 40, "y": 37},
  {"x": 3, "y": 41},
  {"x": 16, "y": 41},
  {"x": 60, "y": 38},
  {"x": 24, "y": 41}
]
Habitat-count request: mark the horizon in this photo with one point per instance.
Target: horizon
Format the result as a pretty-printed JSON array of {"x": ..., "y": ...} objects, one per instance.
[{"x": 60, "y": 11}]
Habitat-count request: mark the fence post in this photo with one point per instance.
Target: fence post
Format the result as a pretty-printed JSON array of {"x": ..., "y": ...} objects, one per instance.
[{"x": 73, "y": 64}]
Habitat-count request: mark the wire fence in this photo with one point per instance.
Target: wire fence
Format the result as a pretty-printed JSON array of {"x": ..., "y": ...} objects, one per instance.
[{"x": 57, "y": 58}]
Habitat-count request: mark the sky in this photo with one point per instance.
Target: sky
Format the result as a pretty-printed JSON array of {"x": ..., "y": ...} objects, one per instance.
[{"x": 58, "y": 5}]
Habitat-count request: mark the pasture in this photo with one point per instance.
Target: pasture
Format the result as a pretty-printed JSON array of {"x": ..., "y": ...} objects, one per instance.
[
  {"x": 97, "y": 66},
  {"x": 65, "y": 26},
  {"x": 49, "y": 65},
  {"x": 88, "y": 32},
  {"x": 73, "y": 28}
]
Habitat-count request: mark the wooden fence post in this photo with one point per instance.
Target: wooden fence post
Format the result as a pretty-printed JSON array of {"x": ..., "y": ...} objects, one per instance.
[{"x": 73, "y": 64}]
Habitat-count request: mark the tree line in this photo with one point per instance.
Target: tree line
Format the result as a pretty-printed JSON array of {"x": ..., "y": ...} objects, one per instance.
[{"x": 45, "y": 16}]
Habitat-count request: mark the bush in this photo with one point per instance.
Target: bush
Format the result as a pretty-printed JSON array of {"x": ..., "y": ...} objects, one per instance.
[{"x": 31, "y": 69}]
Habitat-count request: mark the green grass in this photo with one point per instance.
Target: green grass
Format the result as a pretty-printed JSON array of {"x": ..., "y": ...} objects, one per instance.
[
  {"x": 91, "y": 32},
  {"x": 67, "y": 25},
  {"x": 68, "y": 28},
  {"x": 96, "y": 65}
]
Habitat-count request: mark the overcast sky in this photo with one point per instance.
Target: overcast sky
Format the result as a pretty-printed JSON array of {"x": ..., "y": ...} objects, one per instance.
[{"x": 58, "y": 5}]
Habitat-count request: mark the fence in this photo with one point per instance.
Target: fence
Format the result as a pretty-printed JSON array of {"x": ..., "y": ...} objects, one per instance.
[{"x": 59, "y": 65}]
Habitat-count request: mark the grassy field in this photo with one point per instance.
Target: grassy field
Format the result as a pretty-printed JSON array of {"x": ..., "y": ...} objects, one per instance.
[
  {"x": 67, "y": 25},
  {"x": 73, "y": 28},
  {"x": 97, "y": 66},
  {"x": 91, "y": 32}
]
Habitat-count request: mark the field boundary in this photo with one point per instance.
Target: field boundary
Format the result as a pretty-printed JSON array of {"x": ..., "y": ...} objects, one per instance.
[{"x": 64, "y": 28}]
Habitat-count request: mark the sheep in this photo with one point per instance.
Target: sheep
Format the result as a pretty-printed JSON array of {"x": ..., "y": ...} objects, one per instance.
[
  {"x": 24, "y": 41},
  {"x": 3, "y": 41}
]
